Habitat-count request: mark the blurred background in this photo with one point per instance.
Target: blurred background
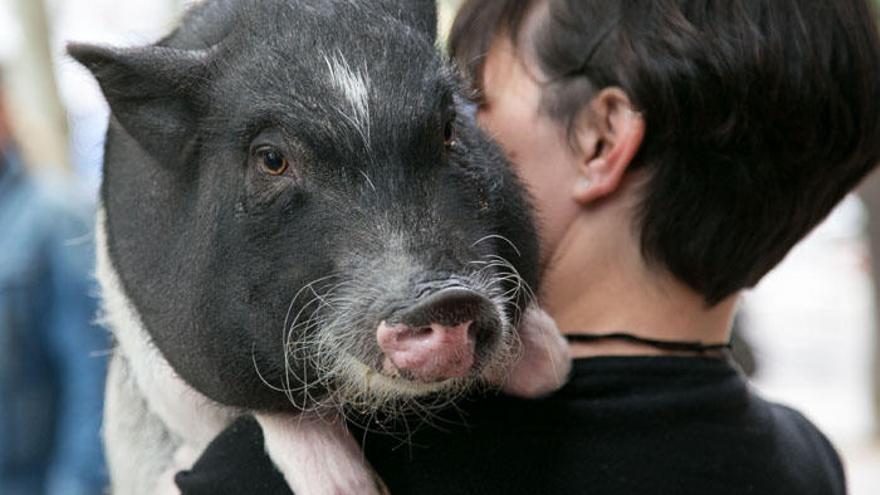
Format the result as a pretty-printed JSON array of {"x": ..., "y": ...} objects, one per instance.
[{"x": 807, "y": 334}]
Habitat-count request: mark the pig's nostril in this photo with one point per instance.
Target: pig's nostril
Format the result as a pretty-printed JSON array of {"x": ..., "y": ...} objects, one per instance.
[
  {"x": 422, "y": 331},
  {"x": 473, "y": 331},
  {"x": 462, "y": 332}
]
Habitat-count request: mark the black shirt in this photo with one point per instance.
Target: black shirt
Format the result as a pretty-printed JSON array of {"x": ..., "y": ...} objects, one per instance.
[{"x": 622, "y": 425}]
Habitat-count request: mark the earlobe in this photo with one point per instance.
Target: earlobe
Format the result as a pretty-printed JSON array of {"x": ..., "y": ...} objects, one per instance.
[
  {"x": 609, "y": 136},
  {"x": 583, "y": 191}
]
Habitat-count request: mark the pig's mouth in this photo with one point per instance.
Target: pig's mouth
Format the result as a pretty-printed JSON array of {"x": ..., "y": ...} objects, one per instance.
[{"x": 407, "y": 354}]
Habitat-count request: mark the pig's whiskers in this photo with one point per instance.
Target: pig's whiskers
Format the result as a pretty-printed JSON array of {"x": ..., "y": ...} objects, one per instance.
[{"x": 323, "y": 373}]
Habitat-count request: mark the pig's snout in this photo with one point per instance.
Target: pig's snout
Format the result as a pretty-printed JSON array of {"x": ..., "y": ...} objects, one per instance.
[
  {"x": 427, "y": 354},
  {"x": 437, "y": 338}
]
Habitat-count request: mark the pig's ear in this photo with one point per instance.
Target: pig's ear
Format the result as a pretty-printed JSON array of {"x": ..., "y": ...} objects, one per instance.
[
  {"x": 152, "y": 91},
  {"x": 421, "y": 14}
]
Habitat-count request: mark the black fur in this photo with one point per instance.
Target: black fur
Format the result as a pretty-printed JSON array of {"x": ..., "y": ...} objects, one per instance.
[{"x": 211, "y": 250}]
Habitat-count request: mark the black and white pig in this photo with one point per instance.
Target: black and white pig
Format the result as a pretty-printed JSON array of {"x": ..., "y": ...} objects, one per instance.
[{"x": 300, "y": 218}]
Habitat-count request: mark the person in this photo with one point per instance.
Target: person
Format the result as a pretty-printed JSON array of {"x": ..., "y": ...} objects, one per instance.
[
  {"x": 676, "y": 151},
  {"x": 51, "y": 380}
]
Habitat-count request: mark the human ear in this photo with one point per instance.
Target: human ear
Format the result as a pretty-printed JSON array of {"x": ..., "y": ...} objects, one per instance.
[{"x": 608, "y": 134}]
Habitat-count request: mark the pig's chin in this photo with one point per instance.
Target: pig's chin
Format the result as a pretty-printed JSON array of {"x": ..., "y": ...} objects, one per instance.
[
  {"x": 366, "y": 388},
  {"x": 392, "y": 382}
]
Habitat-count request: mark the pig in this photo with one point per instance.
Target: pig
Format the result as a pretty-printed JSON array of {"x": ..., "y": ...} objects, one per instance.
[{"x": 300, "y": 220}]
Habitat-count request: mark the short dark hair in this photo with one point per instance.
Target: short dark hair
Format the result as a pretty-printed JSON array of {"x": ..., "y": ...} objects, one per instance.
[{"x": 761, "y": 115}]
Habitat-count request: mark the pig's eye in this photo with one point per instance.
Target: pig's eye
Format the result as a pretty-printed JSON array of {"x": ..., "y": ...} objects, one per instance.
[
  {"x": 272, "y": 161},
  {"x": 449, "y": 134}
]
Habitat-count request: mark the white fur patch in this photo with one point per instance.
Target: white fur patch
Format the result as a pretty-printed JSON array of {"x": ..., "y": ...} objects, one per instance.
[
  {"x": 191, "y": 420},
  {"x": 354, "y": 85}
]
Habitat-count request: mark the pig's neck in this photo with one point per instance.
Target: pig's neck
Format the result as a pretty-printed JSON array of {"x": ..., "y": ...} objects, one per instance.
[
  {"x": 192, "y": 419},
  {"x": 598, "y": 282}
]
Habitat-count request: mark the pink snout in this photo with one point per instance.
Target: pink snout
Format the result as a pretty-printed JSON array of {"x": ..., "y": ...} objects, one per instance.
[{"x": 430, "y": 353}]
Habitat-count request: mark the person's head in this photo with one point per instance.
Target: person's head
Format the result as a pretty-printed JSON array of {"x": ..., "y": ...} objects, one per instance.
[{"x": 736, "y": 126}]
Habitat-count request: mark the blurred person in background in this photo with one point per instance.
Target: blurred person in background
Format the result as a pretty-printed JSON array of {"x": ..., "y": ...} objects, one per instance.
[{"x": 51, "y": 371}]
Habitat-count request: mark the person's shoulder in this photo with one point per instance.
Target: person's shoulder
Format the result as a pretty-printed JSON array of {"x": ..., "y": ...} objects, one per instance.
[
  {"x": 801, "y": 431},
  {"x": 60, "y": 213},
  {"x": 804, "y": 449}
]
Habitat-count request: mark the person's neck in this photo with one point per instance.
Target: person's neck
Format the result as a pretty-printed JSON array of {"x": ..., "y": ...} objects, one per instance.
[{"x": 598, "y": 283}]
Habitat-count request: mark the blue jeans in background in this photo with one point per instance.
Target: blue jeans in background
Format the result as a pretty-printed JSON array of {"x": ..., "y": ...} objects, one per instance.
[{"x": 52, "y": 356}]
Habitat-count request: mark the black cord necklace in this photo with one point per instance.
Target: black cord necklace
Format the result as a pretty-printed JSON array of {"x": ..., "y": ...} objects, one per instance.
[{"x": 665, "y": 345}]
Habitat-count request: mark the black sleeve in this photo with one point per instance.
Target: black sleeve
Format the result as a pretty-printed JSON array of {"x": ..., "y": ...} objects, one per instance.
[
  {"x": 234, "y": 463},
  {"x": 811, "y": 453}
]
